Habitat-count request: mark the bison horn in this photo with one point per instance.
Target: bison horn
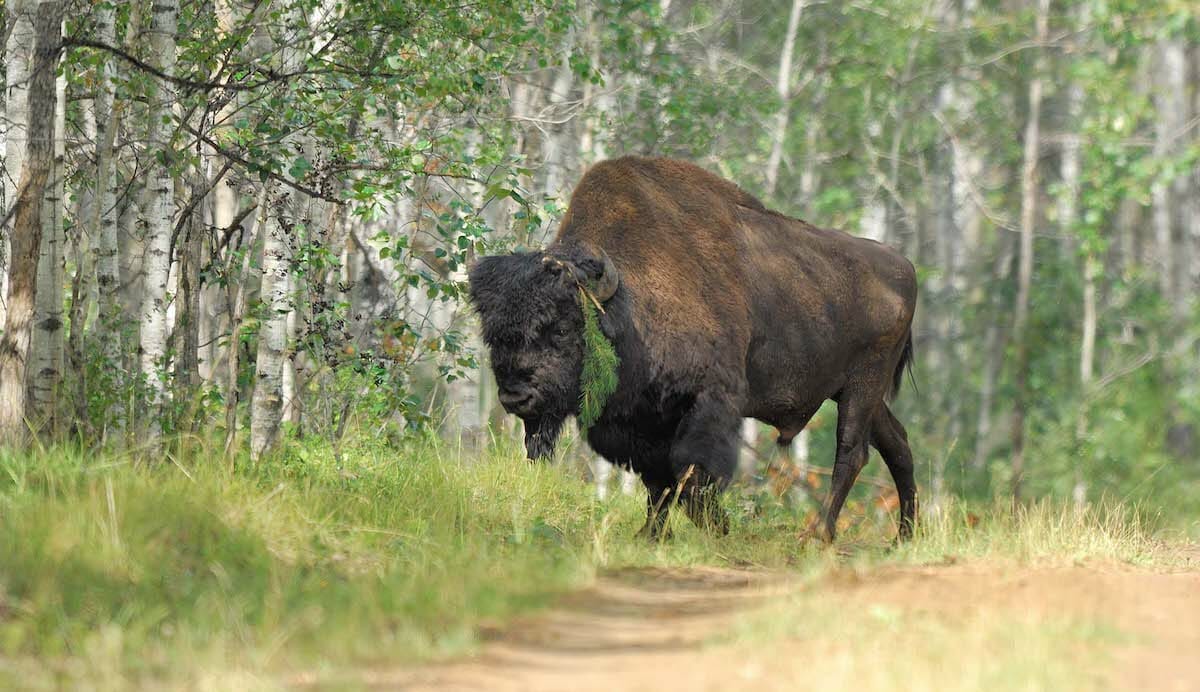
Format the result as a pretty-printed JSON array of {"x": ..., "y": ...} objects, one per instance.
[{"x": 605, "y": 285}]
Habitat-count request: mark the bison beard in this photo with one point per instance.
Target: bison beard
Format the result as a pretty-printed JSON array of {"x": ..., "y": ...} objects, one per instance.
[{"x": 718, "y": 309}]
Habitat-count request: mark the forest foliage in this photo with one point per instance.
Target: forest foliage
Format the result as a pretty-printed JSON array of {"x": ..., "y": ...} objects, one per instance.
[{"x": 259, "y": 214}]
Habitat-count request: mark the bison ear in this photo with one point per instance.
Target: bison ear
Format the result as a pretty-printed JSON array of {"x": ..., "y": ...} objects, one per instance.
[{"x": 605, "y": 285}]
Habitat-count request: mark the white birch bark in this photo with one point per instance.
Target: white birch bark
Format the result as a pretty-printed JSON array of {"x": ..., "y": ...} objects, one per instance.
[
  {"x": 215, "y": 309},
  {"x": 164, "y": 23},
  {"x": 18, "y": 57},
  {"x": 267, "y": 404},
  {"x": 104, "y": 223},
  {"x": 46, "y": 345},
  {"x": 782, "y": 91},
  {"x": 27, "y": 227},
  {"x": 874, "y": 219},
  {"x": 747, "y": 447},
  {"x": 557, "y": 127},
  {"x": 4, "y": 200},
  {"x": 266, "y": 407}
]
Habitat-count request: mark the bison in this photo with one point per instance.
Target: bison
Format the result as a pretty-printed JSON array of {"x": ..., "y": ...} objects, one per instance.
[{"x": 718, "y": 309}]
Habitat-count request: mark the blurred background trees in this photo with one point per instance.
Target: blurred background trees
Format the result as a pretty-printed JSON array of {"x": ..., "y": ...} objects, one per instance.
[{"x": 255, "y": 217}]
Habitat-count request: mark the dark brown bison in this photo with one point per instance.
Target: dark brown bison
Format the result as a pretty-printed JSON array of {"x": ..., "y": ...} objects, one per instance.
[{"x": 718, "y": 308}]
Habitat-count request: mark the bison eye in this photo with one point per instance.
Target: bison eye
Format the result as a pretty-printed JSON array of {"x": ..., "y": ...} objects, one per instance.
[{"x": 562, "y": 330}]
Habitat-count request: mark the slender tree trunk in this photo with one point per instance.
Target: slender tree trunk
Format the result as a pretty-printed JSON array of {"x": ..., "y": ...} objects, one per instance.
[
  {"x": 215, "y": 309},
  {"x": 46, "y": 344},
  {"x": 4, "y": 185},
  {"x": 75, "y": 380},
  {"x": 874, "y": 222},
  {"x": 1087, "y": 366},
  {"x": 554, "y": 151},
  {"x": 18, "y": 57},
  {"x": 748, "y": 449},
  {"x": 1171, "y": 104},
  {"x": 783, "y": 91},
  {"x": 1192, "y": 209},
  {"x": 156, "y": 263},
  {"x": 110, "y": 324},
  {"x": 266, "y": 407},
  {"x": 1068, "y": 204},
  {"x": 186, "y": 333},
  {"x": 27, "y": 226},
  {"x": 1029, "y": 190},
  {"x": 237, "y": 306}
]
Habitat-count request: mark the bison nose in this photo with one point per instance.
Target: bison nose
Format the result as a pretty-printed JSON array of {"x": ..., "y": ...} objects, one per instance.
[{"x": 516, "y": 399}]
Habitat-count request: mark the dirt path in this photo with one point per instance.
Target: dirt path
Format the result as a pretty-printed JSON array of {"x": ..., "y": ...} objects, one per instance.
[{"x": 964, "y": 626}]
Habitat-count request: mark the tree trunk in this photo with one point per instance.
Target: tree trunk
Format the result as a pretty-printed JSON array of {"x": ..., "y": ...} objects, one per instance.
[
  {"x": 748, "y": 447},
  {"x": 18, "y": 57},
  {"x": 783, "y": 92},
  {"x": 46, "y": 344},
  {"x": 1068, "y": 204},
  {"x": 1029, "y": 191},
  {"x": 267, "y": 405},
  {"x": 27, "y": 227},
  {"x": 1087, "y": 366},
  {"x": 187, "y": 317},
  {"x": 156, "y": 263},
  {"x": 109, "y": 326},
  {"x": 237, "y": 306},
  {"x": 266, "y": 408},
  {"x": 1169, "y": 196}
]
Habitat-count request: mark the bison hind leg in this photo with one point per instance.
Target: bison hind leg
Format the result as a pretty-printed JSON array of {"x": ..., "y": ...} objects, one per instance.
[{"x": 890, "y": 438}]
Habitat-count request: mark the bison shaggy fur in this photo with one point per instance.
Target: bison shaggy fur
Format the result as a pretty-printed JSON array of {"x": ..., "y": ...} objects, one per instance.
[{"x": 719, "y": 309}]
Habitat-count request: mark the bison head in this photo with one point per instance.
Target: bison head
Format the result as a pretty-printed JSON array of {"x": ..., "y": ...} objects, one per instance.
[{"x": 528, "y": 305}]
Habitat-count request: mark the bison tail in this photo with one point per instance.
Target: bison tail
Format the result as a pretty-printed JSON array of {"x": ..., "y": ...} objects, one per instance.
[{"x": 906, "y": 360}]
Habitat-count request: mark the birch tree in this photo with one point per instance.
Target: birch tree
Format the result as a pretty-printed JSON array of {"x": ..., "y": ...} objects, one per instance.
[
  {"x": 156, "y": 263},
  {"x": 267, "y": 405},
  {"x": 783, "y": 81},
  {"x": 46, "y": 344},
  {"x": 105, "y": 216},
  {"x": 27, "y": 222},
  {"x": 18, "y": 57}
]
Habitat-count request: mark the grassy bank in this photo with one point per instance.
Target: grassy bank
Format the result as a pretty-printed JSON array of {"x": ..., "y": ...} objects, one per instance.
[{"x": 122, "y": 572}]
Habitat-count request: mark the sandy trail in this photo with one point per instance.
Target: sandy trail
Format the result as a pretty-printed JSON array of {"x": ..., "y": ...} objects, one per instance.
[{"x": 662, "y": 628}]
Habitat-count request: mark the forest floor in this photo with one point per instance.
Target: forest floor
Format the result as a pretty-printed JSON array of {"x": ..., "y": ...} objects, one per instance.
[{"x": 959, "y": 625}]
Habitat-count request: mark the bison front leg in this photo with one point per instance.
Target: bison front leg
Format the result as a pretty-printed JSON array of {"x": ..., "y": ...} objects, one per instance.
[
  {"x": 703, "y": 507},
  {"x": 658, "y": 509},
  {"x": 703, "y": 457}
]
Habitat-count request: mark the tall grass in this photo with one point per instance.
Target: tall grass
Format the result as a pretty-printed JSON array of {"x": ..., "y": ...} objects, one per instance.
[
  {"x": 146, "y": 569},
  {"x": 117, "y": 571}
]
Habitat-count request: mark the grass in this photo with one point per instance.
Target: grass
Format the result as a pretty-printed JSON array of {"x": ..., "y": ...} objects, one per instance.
[
  {"x": 117, "y": 572},
  {"x": 878, "y": 647}
]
